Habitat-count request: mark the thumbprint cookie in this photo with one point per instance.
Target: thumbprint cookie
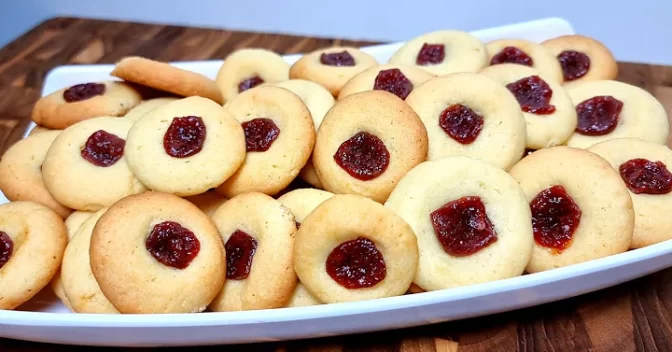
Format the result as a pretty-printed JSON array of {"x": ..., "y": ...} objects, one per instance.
[
  {"x": 208, "y": 202},
  {"x": 526, "y": 53},
  {"x": 247, "y": 68},
  {"x": 146, "y": 106},
  {"x": 396, "y": 79},
  {"x": 582, "y": 58}
]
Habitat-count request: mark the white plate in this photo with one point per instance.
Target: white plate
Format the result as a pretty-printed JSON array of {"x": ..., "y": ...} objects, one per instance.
[{"x": 45, "y": 319}]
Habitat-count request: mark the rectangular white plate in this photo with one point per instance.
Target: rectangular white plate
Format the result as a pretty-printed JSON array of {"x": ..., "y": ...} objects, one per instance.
[{"x": 45, "y": 319}]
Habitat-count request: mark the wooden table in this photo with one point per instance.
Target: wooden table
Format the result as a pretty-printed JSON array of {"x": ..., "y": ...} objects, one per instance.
[{"x": 633, "y": 316}]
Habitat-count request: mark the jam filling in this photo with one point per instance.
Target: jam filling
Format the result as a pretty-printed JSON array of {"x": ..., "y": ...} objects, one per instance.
[
  {"x": 185, "y": 137},
  {"x": 240, "y": 249},
  {"x": 84, "y": 91},
  {"x": 598, "y": 115},
  {"x": 463, "y": 227},
  {"x": 533, "y": 94},
  {"x": 249, "y": 83},
  {"x": 645, "y": 176},
  {"x": 6, "y": 248},
  {"x": 363, "y": 156},
  {"x": 461, "y": 123},
  {"x": 393, "y": 81},
  {"x": 103, "y": 149},
  {"x": 172, "y": 245},
  {"x": 574, "y": 64},
  {"x": 431, "y": 54},
  {"x": 555, "y": 217},
  {"x": 260, "y": 133},
  {"x": 337, "y": 59},
  {"x": 512, "y": 55},
  {"x": 356, "y": 264}
]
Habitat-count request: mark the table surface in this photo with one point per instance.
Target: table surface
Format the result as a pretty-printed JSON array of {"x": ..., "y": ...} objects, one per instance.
[{"x": 633, "y": 316}]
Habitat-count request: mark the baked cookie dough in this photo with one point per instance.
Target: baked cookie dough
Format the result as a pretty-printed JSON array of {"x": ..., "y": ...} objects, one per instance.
[
  {"x": 247, "y": 68},
  {"x": 157, "y": 253},
  {"x": 39, "y": 129},
  {"x": 146, "y": 106},
  {"x": 471, "y": 115},
  {"x": 302, "y": 297},
  {"x": 208, "y": 202},
  {"x": 471, "y": 219},
  {"x": 581, "y": 209},
  {"x": 394, "y": 78},
  {"x": 582, "y": 58},
  {"x": 527, "y": 53}
]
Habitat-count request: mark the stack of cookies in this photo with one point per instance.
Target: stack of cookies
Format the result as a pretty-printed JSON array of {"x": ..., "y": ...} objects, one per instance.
[{"x": 457, "y": 162}]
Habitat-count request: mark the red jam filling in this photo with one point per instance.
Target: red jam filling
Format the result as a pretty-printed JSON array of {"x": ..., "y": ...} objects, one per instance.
[
  {"x": 249, "y": 83},
  {"x": 555, "y": 217},
  {"x": 103, "y": 149},
  {"x": 574, "y": 64},
  {"x": 363, "y": 156},
  {"x": 83, "y": 92},
  {"x": 598, "y": 115},
  {"x": 431, "y": 54},
  {"x": 240, "y": 249},
  {"x": 533, "y": 94},
  {"x": 393, "y": 81},
  {"x": 356, "y": 264},
  {"x": 172, "y": 245},
  {"x": 512, "y": 55},
  {"x": 463, "y": 227},
  {"x": 6, "y": 248},
  {"x": 337, "y": 59},
  {"x": 260, "y": 133},
  {"x": 185, "y": 137},
  {"x": 645, "y": 176},
  {"x": 461, "y": 123}
]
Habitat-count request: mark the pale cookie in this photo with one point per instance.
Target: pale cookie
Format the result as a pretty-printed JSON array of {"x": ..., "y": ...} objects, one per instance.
[
  {"x": 208, "y": 202},
  {"x": 279, "y": 136},
  {"x": 550, "y": 117},
  {"x": 21, "y": 174},
  {"x": 247, "y": 68},
  {"x": 351, "y": 248},
  {"x": 471, "y": 115},
  {"x": 39, "y": 129},
  {"x": 302, "y": 297},
  {"x": 472, "y": 221},
  {"x": 79, "y": 285},
  {"x": 258, "y": 236},
  {"x": 609, "y": 109},
  {"x": 645, "y": 169},
  {"x": 582, "y": 58},
  {"x": 367, "y": 143},
  {"x": 185, "y": 147},
  {"x": 32, "y": 242},
  {"x": 527, "y": 53},
  {"x": 146, "y": 106},
  {"x": 443, "y": 52},
  {"x": 64, "y": 108},
  {"x": 581, "y": 209},
  {"x": 157, "y": 253},
  {"x": 394, "y": 78},
  {"x": 85, "y": 168},
  {"x": 332, "y": 67},
  {"x": 166, "y": 77}
]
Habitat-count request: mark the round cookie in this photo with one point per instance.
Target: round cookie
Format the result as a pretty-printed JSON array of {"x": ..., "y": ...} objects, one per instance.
[
  {"x": 303, "y": 201},
  {"x": 39, "y": 129},
  {"x": 247, "y": 68},
  {"x": 582, "y": 58},
  {"x": 351, "y": 248},
  {"x": 279, "y": 134},
  {"x": 523, "y": 52},
  {"x": 157, "y": 253},
  {"x": 394, "y": 78},
  {"x": 367, "y": 143},
  {"x": 332, "y": 67},
  {"x": 21, "y": 174},
  {"x": 185, "y": 147},
  {"x": 581, "y": 209},
  {"x": 302, "y": 297},
  {"x": 258, "y": 236},
  {"x": 64, "y": 108},
  {"x": 610, "y": 109},
  {"x": 550, "y": 117},
  {"x": 471, "y": 115},
  {"x": 79, "y": 285},
  {"x": 32, "y": 241},
  {"x": 85, "y": 167},
  {"x": 208, "y": 202},
  {"x": 471, "y": 220},
  {"x": 146, "y": 106},
  {"x": 645, "y": 169},
  {"x": 443, "y": 52},
  {"x": 166, "y": 77}
]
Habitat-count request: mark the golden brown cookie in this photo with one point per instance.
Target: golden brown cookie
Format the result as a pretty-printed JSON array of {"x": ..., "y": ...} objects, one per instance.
[
  {"x": 582, "y": 58},
  {"x": 208, "y": 202},
  {"x": 247, "y": 68},
  {"x": 394, "y": 78},
  {"x": 146, "y": 106},
  {"x": 527, "y": 53}
]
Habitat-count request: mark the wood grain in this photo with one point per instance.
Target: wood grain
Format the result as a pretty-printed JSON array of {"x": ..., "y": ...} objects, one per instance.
[{"x": 635, "y": 316}]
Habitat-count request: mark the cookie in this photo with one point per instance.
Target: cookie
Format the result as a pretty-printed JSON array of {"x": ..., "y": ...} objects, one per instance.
[
  {"x": 39, "y": 129},
  {"x": 302, "y": 297},
  {"x": 471, "y": 219},
  {"x": 523, "y": 52},
  {"x": 609, "y": 109},
  {"x": 146, "y": 106},
  {"x": 645, "y": 169},
  {"x": 79, "y": 285},
  {"x": 550, "y": 117},
  {"x": 185, "y": 147},
  {"x": 351, "y": 248},
  {"x": 247, "y": 68},
  {"x": 582, "y": 58},
  {"x": 21, "y": 175},
  {"x": 471, "y": 115},
  {"x": 166, "y": 77},
  {"x": 279, "y": 134},
  {"x": 65, "y": 107},
  {"x": 208, "y": 202},
  {"x": 443, "y": 52},
  {"x": 332, "y": 67},
  {"x": 32, "y": 241},
  {"x": 85, "y": 167},
  {"x": 302, "y": 201},
  {"x": 394, "y": 78},
  {"x": 258, "y": 236},
  {"x": 366, "y": 143},
  {"x": 581, "y": 209},
  {"x": 157, "y": 253}
]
